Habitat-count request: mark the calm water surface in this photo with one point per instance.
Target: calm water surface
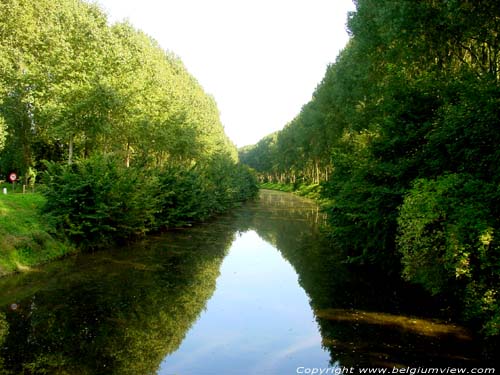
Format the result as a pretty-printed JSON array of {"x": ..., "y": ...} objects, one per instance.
[
  {"x": 257, "y": 291},
  {"x": 258, "y": 320}
]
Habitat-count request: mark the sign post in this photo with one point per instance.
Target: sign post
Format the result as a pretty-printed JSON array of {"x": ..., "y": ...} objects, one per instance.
[{"x": 13, "y": 178}]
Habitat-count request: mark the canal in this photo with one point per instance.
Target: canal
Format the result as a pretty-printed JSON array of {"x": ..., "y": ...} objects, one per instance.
[{"x": 256, "y": 291}]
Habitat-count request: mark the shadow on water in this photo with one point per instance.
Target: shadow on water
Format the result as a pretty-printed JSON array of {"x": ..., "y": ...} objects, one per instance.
[{"x": 124, "y": 311}]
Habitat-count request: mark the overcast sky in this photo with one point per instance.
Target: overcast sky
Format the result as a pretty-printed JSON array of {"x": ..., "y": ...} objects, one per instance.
[{"x": 260, "y": 59}]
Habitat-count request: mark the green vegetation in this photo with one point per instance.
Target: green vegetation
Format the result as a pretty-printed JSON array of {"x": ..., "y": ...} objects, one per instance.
[
  {"x": 125, "y": 138},
  {"x": 312, "y": 191},
  {"x": 288, "y": 188},
  {"x": 99, "y": 201},
  {"x": 25, "y": 238},
  {"x": 402, "y": 135},
  {"x": 3, "y": 132}
]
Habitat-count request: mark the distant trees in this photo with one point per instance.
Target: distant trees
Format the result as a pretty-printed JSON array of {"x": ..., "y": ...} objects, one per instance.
[{"x": 402, "y": 132}]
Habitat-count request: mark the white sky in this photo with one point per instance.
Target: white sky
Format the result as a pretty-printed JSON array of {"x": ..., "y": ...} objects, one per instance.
[{"x": 260, "y": 59}]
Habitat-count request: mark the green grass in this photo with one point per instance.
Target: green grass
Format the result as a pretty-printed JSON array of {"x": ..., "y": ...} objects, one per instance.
[
  {"x": 309, "y": 191},
  {"x": 26, "y": 238},
  {"x": 276, "y": 186}
]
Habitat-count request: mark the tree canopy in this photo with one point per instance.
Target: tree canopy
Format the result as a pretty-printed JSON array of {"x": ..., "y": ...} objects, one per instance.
[{"x": 73, "y": 86}]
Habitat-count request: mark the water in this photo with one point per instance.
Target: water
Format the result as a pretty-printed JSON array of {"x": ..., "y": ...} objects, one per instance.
[
  {"x": 257, "y": 291},
  {"x": 258, "y": 322}
]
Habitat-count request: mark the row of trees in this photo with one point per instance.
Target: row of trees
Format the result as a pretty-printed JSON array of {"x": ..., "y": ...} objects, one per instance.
[
  {"x": 126, "y": 117},
  {"x": 403, "y": 134},
  {"x": 72, "y": 86}
]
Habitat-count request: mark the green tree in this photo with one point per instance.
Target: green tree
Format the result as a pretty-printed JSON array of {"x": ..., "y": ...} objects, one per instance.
[
  {"x": 3, "y": 133},
  {"x": 448, "y": 242}
]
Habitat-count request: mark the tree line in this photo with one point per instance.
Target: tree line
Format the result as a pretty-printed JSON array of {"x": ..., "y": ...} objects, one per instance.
[
  {"x": 402, "y": 135},
  {"x": 103, "y": 117}
]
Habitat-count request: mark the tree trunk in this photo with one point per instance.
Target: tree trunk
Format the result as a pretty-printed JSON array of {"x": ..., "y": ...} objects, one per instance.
[
  {"x": 127, "y": 157},
  {"x": 70, "y": 150}
]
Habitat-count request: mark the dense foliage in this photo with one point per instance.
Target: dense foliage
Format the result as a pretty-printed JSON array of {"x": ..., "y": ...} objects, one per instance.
[
  {"x": 142, "y": 142},
  {"x": 72, "y": 86},
  {"x": 403, "y": 134},
  {"x": 99, "y": 201},
  {"x": 2, "y": 133}
]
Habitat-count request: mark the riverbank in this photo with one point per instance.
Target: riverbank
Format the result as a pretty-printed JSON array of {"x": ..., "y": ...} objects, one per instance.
[
  {"x": 311, "y": 191},
  {"x": 86, "y": 211},
  {"x": 26, "y": 239}
]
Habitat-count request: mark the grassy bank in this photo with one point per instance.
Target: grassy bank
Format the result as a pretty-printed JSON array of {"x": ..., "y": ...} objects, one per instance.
[
  {"x": 304, "y": 190},
  {"x": 25, "y": 238}
]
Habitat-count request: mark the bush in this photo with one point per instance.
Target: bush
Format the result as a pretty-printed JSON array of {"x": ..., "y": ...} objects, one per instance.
[
  {"x": 186, "y": 196},
  {"x": 229, "y": 183},
  {"x": 182, "y": 198},
  {"x": 447, "y": 240},
  {"x": 99, "y": 201}
]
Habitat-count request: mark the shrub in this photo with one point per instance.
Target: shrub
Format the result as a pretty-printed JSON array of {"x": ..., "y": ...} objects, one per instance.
[
  {"x": 189, "y": 195},
  {"x": 447, "y": 231},
  {"x": 182, "y": 198},
  {"x": 99, "y": 201}
]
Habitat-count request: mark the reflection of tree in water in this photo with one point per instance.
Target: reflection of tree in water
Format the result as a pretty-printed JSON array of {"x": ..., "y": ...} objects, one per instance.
[
  {"x": 122, "y": 312},
  {"x": 117, "y": 313},
  {"x": 366, "y": 318}
]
